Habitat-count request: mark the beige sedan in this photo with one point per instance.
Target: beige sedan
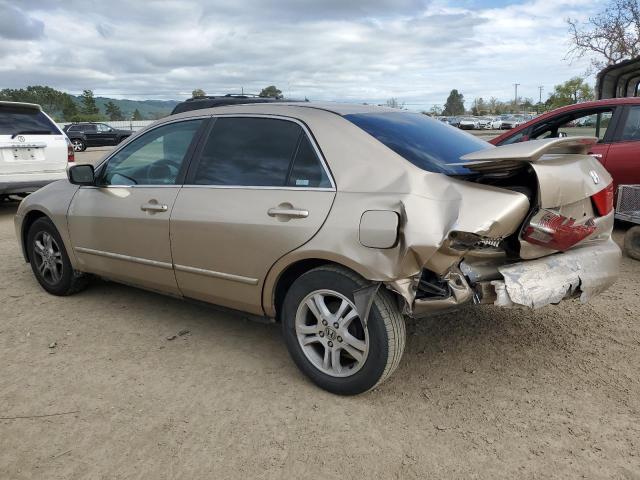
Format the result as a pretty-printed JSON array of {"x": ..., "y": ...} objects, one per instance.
[{"x": 335, "y": 220}]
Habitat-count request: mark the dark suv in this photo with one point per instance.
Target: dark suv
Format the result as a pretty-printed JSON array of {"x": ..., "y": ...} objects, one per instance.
[
  {"x": 83, "y": 135},
  {"x": 211, "y": 101}
]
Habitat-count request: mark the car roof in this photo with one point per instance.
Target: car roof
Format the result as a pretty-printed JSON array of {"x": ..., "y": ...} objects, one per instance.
[
  {"x": 35, "y": 106},
  {"x": 289, "y": 108}
]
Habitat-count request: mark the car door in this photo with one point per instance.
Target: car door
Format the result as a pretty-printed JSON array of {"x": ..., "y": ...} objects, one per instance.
[
  {"x": 106, "y": 134},
  {"x": 257, "y": 190},
  {"x": 91, "y": 135},
  {"x": 623, "y": 159},
  {"x": 120, "y": 227}
]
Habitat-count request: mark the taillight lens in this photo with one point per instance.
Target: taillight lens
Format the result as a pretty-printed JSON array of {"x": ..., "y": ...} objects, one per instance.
[
  {"x": 71, "y": 156},
  {"x": 603, "y": 200},
  {"x": 551, "y": 230}
]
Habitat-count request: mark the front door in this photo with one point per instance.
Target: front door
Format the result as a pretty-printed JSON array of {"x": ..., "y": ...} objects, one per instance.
[
  {"x": 257, "y": 191},
  {"x": 623, "y": 160},
  {"x": 120, "y": 228}
]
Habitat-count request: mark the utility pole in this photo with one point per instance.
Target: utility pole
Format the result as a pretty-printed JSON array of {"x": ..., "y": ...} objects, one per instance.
[
  {"x": 515, "y": 102},
  {"x": 540, "y": 88}
]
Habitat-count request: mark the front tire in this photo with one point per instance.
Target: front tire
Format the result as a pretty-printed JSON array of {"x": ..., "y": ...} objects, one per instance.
[
  {"x": 50, "y": 262},
  {"x": 327, "y": 339}
]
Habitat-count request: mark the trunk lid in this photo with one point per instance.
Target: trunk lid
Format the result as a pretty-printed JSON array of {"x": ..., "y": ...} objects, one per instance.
[
  {"x": 568, "y": 183},
  {"x": 29, "y": 140}
]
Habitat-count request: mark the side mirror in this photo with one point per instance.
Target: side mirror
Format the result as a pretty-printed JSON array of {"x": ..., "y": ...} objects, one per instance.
[{"x": 82, "y": 175}]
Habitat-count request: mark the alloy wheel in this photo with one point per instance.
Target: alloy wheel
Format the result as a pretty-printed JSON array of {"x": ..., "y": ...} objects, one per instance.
[
  {"x": 331, "y": 334},
  {"x": 77, "y": 145},
  {"x": 48, "y": 258}
]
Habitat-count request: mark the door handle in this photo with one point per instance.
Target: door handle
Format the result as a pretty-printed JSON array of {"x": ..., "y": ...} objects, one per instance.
[
  {"x": 153, "y": 206},
  {"x": 288, "y": 212},
  {"x": 596, "y": 155}
]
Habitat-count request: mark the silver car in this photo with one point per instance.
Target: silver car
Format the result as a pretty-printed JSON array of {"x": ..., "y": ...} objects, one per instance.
[{"x": 337, "y": 221}]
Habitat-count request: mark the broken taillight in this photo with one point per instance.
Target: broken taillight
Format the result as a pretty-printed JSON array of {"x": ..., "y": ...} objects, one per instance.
[
  {"x": 557, "y": 232},
  {"x": 603, "y": 200},
  {"x": 71, "y": 157}
]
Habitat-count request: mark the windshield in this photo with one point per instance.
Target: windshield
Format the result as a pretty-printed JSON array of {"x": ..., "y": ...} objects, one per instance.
[
  {"x": 20, "y": 120},
  {"x": 428, "y": 144}
]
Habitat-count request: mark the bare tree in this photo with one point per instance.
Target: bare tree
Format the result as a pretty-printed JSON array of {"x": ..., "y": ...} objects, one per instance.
[
  {"x": 395, "y": 103},
  {"x": 613, "y": 35}
]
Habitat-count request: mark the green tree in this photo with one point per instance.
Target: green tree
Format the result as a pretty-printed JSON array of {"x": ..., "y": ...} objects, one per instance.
[
  {"x": 454, "y": 104},
  {"x": 51, "y": 100},
  {"x": 198, "y": 92},
  {"x": 271, "y": 91},
  {"x": 88, "y": 101},
  {"x": 572, "y": 91},
  {"x": 69, "y": 109},
  {"x": 113, "y": 111},
  {"x": 137, "y": 115}
]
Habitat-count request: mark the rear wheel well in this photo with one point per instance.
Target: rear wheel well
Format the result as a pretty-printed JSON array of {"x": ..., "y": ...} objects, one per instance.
[
  {"x": 290, "y": 275},
  {"x": 31, "y": 217}
]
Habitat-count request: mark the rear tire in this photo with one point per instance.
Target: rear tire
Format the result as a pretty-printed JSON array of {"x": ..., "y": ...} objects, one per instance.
[
  {"x": 632, "y": 242},
  {"x": 331, "y": 345},
  {"x": 50, "y": 262},
  {"x": 78, "y": 145}
]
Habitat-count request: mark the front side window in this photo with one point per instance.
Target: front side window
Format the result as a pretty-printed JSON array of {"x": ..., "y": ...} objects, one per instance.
[
  {"x": 254, "y": 152},
  {"x": 154, "y": 158},
  {"x": 631, "y": 130},
  {"x": 102, "y": 128},
  {"x": 578, "y": 124},
  {"x": 428, "y": 144}
]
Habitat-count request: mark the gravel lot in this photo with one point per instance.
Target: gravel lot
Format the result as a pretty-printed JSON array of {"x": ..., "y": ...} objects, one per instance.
[{"x": 92, "y": 388}]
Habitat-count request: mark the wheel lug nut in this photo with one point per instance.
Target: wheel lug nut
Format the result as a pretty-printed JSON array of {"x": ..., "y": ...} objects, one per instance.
[
  {"x": 321, "y": 334},
  {"x": 330, "y": 343},
  {"x": 324, "y": 322},
  {"x": 339, "y": 339},
  {"x": 335, "y": 325}
]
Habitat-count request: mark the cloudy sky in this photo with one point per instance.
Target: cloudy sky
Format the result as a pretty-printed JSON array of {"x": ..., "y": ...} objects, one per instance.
[{"x": 343, "y": 50}]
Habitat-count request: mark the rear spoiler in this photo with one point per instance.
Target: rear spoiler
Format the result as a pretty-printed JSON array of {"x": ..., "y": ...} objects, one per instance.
[{"x": 508, "y": 157}]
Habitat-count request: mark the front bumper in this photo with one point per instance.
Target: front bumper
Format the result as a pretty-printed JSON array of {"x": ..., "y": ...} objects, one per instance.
[{"x": 585, "y": 270}]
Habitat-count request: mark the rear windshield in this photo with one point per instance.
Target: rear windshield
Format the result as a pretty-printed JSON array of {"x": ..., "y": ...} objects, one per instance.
[
  {"x": 25, "y": 121},
  {"x": 428, "y": 144}
]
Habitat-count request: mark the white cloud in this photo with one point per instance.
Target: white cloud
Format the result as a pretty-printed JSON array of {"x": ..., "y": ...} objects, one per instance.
[{"x": 338, "y": 50}]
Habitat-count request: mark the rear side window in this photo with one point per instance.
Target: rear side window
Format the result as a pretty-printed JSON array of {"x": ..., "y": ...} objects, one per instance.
[
  {"x": 428, "y": 144},
  {"x": 25, "y": 121},
  {"x": 631, "y": 129},
  {"x": 89, "y": 128},
  {"x": 307, "y": 171},
  {"x": 248, "y": 152}
]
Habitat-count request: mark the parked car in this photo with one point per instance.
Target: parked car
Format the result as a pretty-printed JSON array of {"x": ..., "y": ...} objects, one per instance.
[
  {"x": 469, "y": 123},
  {"x": 335, "y": 220},
  {"x": 484, "y": 122},
  {"x": 33, "y": 150},
  {"x": 614, "y": 122},
  {"x": 89, "y": 134},
  {"x": 210, "y": 101},
  {"x": 509, "y": 123}
]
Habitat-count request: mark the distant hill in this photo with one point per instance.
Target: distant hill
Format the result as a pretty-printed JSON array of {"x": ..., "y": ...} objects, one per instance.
[{"x": 149, "y": 109}]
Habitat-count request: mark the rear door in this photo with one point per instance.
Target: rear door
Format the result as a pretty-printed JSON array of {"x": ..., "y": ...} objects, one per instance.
[
  {"x": 29, "y": 141},
  {"x": 258, "y": 189},
  {"x": 623, "y": 159}
]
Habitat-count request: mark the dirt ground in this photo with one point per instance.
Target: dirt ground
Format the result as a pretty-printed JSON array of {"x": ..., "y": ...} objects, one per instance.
[{"x": 482, "y": 393}]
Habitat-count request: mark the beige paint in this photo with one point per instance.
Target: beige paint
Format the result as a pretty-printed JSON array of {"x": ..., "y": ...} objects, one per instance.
[{"x": 226, "y": 248}]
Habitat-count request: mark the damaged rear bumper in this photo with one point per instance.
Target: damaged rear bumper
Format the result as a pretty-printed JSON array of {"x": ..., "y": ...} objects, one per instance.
[{"x": 584, "y": 271}]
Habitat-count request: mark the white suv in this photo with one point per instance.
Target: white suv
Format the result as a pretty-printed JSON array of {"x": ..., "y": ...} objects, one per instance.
[{"x": 33, "y": 150}]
